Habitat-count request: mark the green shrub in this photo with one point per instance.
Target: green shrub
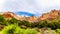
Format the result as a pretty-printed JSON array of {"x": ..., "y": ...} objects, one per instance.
[
  {"x": 58, "y": 31},
  {"x": 30, "y": 31},
  {"x": 13, "y": 21},
  {"x": 51, "y": 25},
  {"x": 42, "y": 24},
  {"x": 2, "y": 20},
  {"x": 57, "y": 25},
  {"x": 27, "y": 24},
  {"x": 7, "y": 29},
  {"x": 13, "y": 29}
]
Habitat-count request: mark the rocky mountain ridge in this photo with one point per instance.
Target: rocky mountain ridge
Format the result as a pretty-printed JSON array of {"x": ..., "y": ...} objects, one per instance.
[
  {"x": 46, "y": 16},
  {"x": 51, "y": 15}
]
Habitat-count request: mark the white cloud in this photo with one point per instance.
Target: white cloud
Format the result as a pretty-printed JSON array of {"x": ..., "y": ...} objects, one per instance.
[
  {"x": 47, "y": 4},
  {"x": 19, "y": 5},
  {"x": 1, "y": 4},
  {"x": 32, "y": 6}
]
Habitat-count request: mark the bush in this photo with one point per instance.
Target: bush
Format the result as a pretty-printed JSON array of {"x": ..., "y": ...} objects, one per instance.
[
  {"x": 57, "y": 25},
  {"x": 28, "y": 24},
  {"x": 13, "y": 29},
  {"x": 51, "y": 25},
  {"x": 2, "y": 20},
  {"x": 13, "y": 21},
  {"x": 58, "y": 31},
  {"x": 42, "y": 24},
  {"x": 25, "y": 23}
]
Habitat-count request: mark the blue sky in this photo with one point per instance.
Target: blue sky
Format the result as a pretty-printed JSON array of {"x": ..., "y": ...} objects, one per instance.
[{"x": 36, "y": 7}]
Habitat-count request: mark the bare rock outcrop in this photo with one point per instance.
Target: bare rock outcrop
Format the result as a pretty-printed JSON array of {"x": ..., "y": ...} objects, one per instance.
[
  {"x": 51, "y": 15},
  {"x": 46, "y": 16}
]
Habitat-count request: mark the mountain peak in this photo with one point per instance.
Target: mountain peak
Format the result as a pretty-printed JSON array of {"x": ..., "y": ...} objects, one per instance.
[
  {"x": 45, "y": 16},
  {"x": 51, "y": 15}
]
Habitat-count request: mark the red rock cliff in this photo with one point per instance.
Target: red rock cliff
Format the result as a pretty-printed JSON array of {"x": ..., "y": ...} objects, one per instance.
[{"x": 51, "y": 15}]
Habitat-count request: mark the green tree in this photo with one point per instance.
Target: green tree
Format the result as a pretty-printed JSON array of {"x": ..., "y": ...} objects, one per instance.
[
  {"x": 26, "y": 23},
  {"x": 2, "y": 20},
  {"x": 42, "y": 24},
  {"x": 13, "y": 21}
]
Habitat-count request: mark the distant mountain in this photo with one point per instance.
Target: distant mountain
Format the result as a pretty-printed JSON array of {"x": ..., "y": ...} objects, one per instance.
[
  {"x": 24, "y": 13},
  {"x": 9, "y": 15},
  {"x": 53, "y": 14}
]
